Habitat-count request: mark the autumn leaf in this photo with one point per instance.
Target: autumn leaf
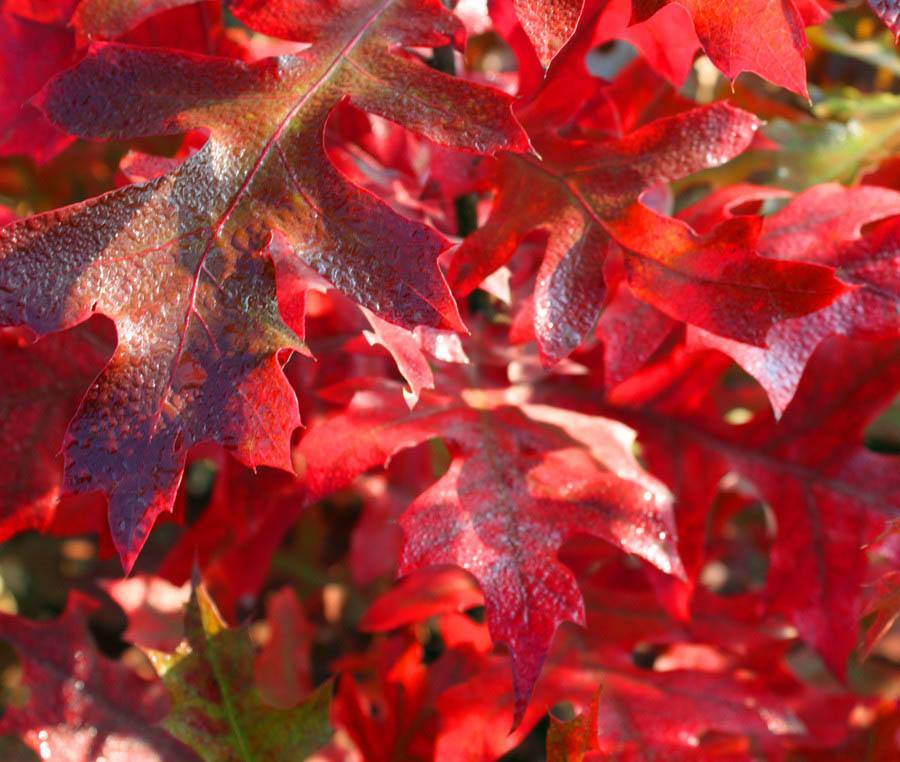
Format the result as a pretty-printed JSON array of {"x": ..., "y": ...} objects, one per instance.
[
  {"x": 522, "y": 480},
  {"x": 730, "y": 35},
  {"x": 823, "y": 226},
  {"x": 388, "y": 703},
  {"x": 830, "y": 496},
  {"x": 884, "y": 604},
  {"x": 201, "y": 363},
  {"x": 718, "y": 281},
  {"x": 6, "y": 216},
  {"x": 658, "y": 674},
  {"x": 584, "y": 187},
  {"x": 602, "y": 421},
  {"x": 666, "y": 715},
  {"x": 51, "y": 27},
  {"x": 476, "y": 713},
  {"x": 81, "y": 705},
  {"x": 631, "y": 331}
]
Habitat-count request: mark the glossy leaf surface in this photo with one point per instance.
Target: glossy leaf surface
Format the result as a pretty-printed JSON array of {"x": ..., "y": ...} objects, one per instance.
[
  {"x": 521, "y": 481},
  {"x": 180, "y": 263}
]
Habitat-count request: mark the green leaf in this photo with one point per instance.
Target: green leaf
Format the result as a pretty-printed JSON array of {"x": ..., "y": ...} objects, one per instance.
[
  {"x": 852, "y": 132},
  {"x": 216, "y": 707}
]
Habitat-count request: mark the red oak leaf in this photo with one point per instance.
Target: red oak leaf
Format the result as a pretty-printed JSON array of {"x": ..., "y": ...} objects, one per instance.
[
  {"x": 82, "y": 706},
  {"x": 718, "y": 281},
  {"x": 408, "y": 350},
  {"x": 179, "y": 263},
  {"x": 830, "y": 496},
  {"x": 385, "y": 497},
  {"x": 818, "y": 226},
  {"x": 731, "y": 33},
  {"x": 522, "y": 480},
  {"x": 689, "y": 690},
  {"x": 530, "y": 72},
  {"x": 582, "y": 185},
  {"x": 383, "y": 504},
  {"x": 297, "y": 174},
  {"x": 625, "y": 609},
  {"x": 667, "y": 42},
  {"x": 197, "y": 26},
  {"x": 42, "y": 385},
  {"x": 638, "y": 95},
  {"x": 586, "y": 201}
]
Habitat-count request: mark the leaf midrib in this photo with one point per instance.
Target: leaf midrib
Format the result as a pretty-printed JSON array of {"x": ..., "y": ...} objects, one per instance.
[{"x": 251, "y": 174}]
